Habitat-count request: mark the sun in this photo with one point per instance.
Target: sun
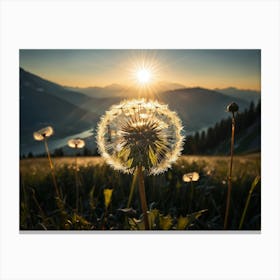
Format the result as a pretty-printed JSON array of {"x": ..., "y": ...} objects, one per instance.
[{"x": 143, "y": 76}]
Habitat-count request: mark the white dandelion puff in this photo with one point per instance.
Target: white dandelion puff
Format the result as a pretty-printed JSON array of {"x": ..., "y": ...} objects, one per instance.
[
  {"x": 43, "y": 133},
  {"x": 76, "y": 143},
  {"x": 142, "y": 133},
  {"x": 191, "y": 177}
]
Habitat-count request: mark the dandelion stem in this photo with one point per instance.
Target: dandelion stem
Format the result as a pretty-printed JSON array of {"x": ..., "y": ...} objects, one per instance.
[
  {"x": 191, "y": 197},
  {"x": 52, "y": 170},
  {"x": 142, "y": 195},
  {"x": 132, "y": 188},
  {"x": 230, "y": 171},
  {"x": 77, "y": 186}
]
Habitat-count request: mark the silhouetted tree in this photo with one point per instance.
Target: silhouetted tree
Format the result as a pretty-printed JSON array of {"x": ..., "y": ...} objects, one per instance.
[
  {"x": 58, "y": 152},
  {"x": 86, "y": 152},
  {"x": 205, "y": 142},
  {"x": 30, "y": 155}
]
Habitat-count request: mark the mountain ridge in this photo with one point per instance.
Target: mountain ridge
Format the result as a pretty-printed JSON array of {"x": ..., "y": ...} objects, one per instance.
[{"x": 43, "y": 102}]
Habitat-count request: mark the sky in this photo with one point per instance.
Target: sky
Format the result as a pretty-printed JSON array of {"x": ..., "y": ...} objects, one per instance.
[{"x": 205, "y": 68}]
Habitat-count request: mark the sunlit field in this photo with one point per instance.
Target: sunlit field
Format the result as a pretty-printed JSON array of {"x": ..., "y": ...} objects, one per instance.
[
  {"x": 109, "y": 200},
  {"x": 140, "y": 118}
]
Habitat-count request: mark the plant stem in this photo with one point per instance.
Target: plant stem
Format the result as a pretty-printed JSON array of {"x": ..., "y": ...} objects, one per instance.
[
  {"x": 230, "y": 171},
  {"x": 254, "y": 184},
  {"x": 191, "y": 197},
  {"x": 43, "y": 215},
  {"x": 132, "y": 188},
  {"x": 52, "y": 170},
  {"x": 142, "y": 195},
  {"x": 77, "y": 187}
]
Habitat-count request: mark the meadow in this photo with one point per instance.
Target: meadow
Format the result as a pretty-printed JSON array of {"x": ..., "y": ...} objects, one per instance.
[{"x": 109, "y": 200}]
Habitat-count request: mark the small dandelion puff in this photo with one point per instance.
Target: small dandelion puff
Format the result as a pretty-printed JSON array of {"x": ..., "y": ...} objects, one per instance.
[
  {"x": 142, "y": 133},
  {"x": 76, "y": 143},
  {"x": 191, "y": 177},
  {"x": 43, "y": 133},
  {"x": 232, "y": 107}
]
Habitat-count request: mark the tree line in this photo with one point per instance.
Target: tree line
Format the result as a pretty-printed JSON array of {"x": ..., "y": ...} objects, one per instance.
[{"x": 206, "y": 141}]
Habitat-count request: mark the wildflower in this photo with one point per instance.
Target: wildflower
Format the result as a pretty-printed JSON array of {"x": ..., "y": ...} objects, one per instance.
[
  {"x": 146, "y": 134},
  {"x": 191, "y": 177},
  {"x": 76, "y": 143},
  {"x": 43, "y": 133}
]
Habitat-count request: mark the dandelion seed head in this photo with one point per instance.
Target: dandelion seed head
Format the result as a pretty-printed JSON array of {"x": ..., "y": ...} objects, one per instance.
[
  {"x": 232, "y": 107},
  {"x": 76, "y": 143},
  {"x": 43, "y": 133},
  {"x": 140, "y": 133},
  {"x": 192, "y": 176}
]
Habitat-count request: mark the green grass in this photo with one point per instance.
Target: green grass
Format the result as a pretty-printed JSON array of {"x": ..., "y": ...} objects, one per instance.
[{"x": 168, "y": 197}]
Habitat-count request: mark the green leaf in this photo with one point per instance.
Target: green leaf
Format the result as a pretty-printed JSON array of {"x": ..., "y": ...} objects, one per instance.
[
  {"x": 136, "y": 224},
  {"x": 182, "y": 222},
  {"x": 107, "y": 196},
  {"x": 153, "y": 217},
  {"x": 77, "y": 219},
  {"x": 254, "y": 184},
  {"x": 165, "y": 222},
  {"x": 185, "y": 222}
]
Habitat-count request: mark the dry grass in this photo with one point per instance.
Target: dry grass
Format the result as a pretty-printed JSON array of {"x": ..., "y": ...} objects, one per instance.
[
  {"x": 166, "y": 194},
  {"x": 41, "y": 164}
]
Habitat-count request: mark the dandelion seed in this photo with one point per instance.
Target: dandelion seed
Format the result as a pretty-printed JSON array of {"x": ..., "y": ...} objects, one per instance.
[
  {"x": 146, "y": 134},
  {"x": 76, "y": 143},
  {"x": 43, "y": 133},
  {"x": 191, "y": 177}
]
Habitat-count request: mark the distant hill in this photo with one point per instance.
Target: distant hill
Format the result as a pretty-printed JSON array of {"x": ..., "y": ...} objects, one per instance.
[
  {"x": 42, "y": 103},
  {"x": 216, "y": 139},
  {"x": 100, "y": 92},
  {"x": 199, "y": 107},
  {"x": 120, "y": 91},
  {"x": 71, "y": 112},
  {"x": 244, "y": 94}
]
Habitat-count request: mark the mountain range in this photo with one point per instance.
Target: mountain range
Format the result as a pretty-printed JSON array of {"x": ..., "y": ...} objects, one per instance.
[
  {"x": 75, "y": 110},
  {"x": 245, "y": 94}
]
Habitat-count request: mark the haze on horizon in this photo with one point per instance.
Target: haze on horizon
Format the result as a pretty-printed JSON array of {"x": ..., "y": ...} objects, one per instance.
[{"x": 205, "y": 68}]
